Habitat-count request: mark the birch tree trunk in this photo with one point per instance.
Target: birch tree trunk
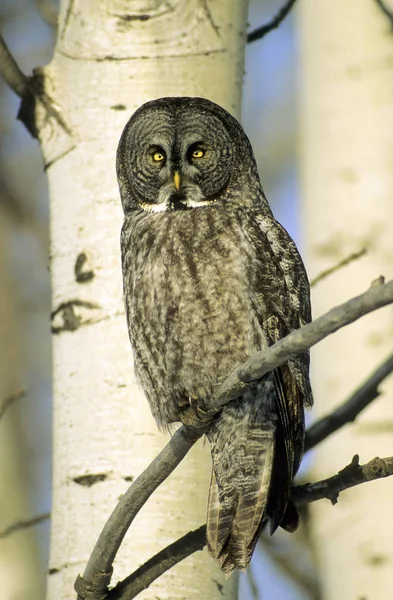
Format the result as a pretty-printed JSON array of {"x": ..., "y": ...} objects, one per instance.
[
  {"x": 110, "y": 57},
  {"x": 346, "y": 110},
  {"x": 20, "y": 564}
]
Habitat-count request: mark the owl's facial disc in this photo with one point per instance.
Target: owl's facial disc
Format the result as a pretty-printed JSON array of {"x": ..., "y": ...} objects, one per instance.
[
  {"x": 177, "y": 158},
  {"x": 180, "y": 172}
]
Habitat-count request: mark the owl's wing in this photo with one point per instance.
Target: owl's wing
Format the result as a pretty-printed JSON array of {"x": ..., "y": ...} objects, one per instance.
[{"x": 287, "y": 306}]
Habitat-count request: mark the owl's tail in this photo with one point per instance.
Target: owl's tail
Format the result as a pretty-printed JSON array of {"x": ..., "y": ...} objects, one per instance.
[{"x": 249, "y": 485}]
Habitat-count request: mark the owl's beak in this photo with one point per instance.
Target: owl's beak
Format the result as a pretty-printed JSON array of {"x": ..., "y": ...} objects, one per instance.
[{"x": 176, "y": 179}]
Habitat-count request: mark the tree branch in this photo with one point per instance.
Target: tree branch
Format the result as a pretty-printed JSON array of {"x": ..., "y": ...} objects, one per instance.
[
  {"x": 342, "y": 263},
  {"x": 164, "y": 560},
  {"x": 386, "y": 11},
  {"x": 98, "y": 571},
  {"x": 11, "y": 72},
  {"x": 260, "y": 32},
  {"x": 19, "y": 525},
  {"x": 377, "y": 296},
  {"x": 349, "y": 410},
  {"x": 30, "y": 89},
  {"x": 10, "y": 400},
  {"x": 351, "y": 475},
  {"x": 22, "y": 86},
  {"x": 108, "y": 543}
]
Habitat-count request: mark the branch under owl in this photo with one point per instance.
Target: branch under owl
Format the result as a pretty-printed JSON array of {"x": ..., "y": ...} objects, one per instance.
[
  {"x": 97, "y": 575},
  {"x": 378, "y": 295},
  {"x": 350, "y": 476}
]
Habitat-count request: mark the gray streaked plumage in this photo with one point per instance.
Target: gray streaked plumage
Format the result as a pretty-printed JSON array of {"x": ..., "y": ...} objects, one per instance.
[{"x": 210, "y": 277}]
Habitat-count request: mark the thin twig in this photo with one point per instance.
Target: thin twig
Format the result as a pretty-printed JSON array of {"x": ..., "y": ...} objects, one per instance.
[
  {"x": 300, "y": 340},
  {"x": 14, "y": 77},
  {"x": 260, "y": 32},
  {"x": 349, "y": 410},
  {"x": 352, "y": 475},
  {"x": 386, "y": 11},
  {"x": 30, "y": 89},
  {"x": 10, "y": 400},
  {"x": 342, "y": 263},
  {"x": 159, "y": 564},
  {"x": 99, "y": 567},
  {"x": 20, "y": 525}
]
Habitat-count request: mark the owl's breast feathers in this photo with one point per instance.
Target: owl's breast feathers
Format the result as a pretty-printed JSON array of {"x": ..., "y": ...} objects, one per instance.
[{"x": 204, "y": 290}]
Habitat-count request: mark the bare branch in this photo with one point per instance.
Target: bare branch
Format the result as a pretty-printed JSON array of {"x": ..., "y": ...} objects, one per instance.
[
  {"x": 385, "y": 10},
  {"x": 21, "y": 85},
  {"x": 259, "y": 364},
  {"x": 349, "y": 410},
  {"x": 14, "y": 77},
  {"x": 342, "y": 263},
  {"x": 129, "y": 505},
  {"x": 159, "y": 564},
  {"x": 353, "y": 474},
  {"x": 20, "y": 525},
  {"x": 10, "y": 400},
  {"x": 99, "y": 567},
  {"x": 30, "y": 89},
  {"x": 260, "y": 32}
]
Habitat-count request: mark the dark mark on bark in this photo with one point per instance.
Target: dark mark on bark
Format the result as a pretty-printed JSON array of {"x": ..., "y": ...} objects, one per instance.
[
  {"x": 80, "y": 275},
  {"x": 70, "y": 320},
  {"x": 377, "y": 560},
  {"x": 128, "y": 18},
  {"x": 89, "y": 480},
  {"x": 220, "y": 587}
]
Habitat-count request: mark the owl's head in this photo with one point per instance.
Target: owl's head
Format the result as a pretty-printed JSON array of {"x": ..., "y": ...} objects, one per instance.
[{"x": 183, "y": 153}]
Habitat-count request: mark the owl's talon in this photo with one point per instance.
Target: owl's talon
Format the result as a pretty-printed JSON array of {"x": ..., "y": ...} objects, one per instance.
[
  {"x": 188, "y": 417},
  {"x": 203, "y": 415}
]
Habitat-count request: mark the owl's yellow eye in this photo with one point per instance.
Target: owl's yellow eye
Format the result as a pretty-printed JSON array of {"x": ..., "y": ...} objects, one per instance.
[
  {"x": 158, "y": 157},
  {"x": 198, "y": 153}
]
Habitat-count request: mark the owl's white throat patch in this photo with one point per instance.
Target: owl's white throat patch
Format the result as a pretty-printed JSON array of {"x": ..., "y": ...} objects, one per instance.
[
  {"x": 171, "y": 201},
  {"x": 171, "y": 206}
]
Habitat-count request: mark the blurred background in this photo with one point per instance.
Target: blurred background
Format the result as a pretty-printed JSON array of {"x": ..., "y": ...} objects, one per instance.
[{"x": 280, "y": 568}]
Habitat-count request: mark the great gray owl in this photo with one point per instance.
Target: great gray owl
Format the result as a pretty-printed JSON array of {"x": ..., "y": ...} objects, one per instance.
[{"x": 210, "y": 277}]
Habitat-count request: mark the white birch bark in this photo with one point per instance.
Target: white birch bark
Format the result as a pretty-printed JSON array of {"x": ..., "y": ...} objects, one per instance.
[
  {"x": 346, "y": 130},
  {"x": 110, "y": 57}
]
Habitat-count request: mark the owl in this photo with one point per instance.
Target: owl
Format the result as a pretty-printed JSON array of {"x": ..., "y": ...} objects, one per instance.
[{"x": 210, "y": 277}]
